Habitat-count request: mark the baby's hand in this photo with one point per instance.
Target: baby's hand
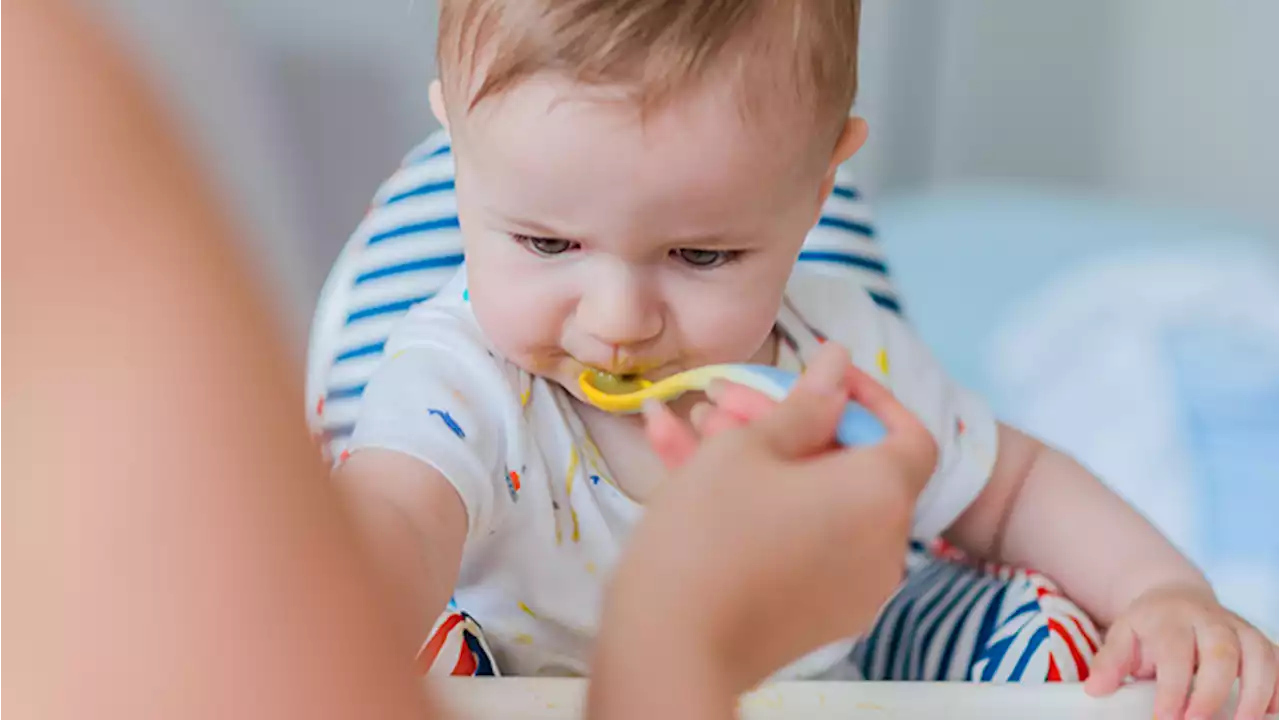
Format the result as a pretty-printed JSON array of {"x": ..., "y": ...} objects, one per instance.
[{"x": 1171, "y": 633}]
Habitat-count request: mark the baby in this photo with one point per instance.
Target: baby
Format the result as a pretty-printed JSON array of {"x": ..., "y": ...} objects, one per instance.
[{"x": 634, "y": 182}]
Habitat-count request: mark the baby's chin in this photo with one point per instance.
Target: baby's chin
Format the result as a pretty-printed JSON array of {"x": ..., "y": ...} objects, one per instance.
[
  {"x": 561, "y": 371},
  {"x": 569, "y": 381}
]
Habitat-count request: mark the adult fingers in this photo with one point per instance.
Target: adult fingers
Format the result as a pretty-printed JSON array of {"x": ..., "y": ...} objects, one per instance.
[
  {"x": 805, "y": 421},
  {"x": 879, "y": 400},
  {"x": 750, "y": 404},
  {"x": 907, "y": 437},
  {"x": 672, "y": 440},
  {"x": 711, "y": 420},
  {"x": 739, "y": 400},
  {"x": 907, "y": 456}
]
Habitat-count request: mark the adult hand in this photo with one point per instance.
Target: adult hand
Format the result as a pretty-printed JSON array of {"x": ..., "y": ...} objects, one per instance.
[{"x": 765, "y": 542}]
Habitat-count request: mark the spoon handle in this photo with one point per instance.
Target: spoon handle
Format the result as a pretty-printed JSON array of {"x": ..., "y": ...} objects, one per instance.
[{"x": 858, "y": 427}]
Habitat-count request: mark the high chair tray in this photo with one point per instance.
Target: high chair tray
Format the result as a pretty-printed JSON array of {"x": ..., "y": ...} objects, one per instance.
[{"x": 552, "y": 699}]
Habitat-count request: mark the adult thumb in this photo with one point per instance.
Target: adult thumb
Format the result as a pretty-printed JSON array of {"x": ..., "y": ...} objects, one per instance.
[{"x": 805, "y": 422}]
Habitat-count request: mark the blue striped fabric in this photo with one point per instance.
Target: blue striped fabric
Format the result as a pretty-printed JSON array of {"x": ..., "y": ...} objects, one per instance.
[
  {"x": 957, "y": 621},
  {"x": 409, "y": 245}
]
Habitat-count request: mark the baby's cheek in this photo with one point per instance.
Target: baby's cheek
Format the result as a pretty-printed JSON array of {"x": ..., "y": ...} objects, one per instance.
[
  {"x": 727, "y": 330},
  {"x": 520, "y": 316},
  {"x": 512, "y": 326}
]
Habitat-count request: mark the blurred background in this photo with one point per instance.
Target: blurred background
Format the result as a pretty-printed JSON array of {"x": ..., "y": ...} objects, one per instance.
[{"x": 1078, "y": 201}]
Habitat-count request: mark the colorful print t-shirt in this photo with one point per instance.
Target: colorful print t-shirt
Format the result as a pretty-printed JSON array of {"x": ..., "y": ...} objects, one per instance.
[{"x": 545, "y": 522}]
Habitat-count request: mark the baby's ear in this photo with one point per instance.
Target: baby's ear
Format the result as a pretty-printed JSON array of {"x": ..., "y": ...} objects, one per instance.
[
  {"x": 436, "y": 95},
  {"x": 852, "y": 137}
]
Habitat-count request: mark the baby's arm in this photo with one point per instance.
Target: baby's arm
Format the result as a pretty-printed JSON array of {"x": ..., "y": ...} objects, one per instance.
[
  {"x": 414, "y": 525},
  {"x": 1042, "y": 509},
  {"x": 425, "y": 464}
]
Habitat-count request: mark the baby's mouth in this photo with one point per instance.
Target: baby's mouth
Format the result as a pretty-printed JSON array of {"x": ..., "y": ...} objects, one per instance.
[
  {"x": 621, "y": 375},
  {"x": 617, "y": 384},
  {"x": 624, "y": 368},
  {"x": 626, "y": 372}
]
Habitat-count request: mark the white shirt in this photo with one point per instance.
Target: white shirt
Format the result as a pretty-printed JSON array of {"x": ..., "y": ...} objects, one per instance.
[{"x": 546, "y": 523}]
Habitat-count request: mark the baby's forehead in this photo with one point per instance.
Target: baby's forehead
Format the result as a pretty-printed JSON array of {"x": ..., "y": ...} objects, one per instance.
[
  {"x": 585, "y": 167},
  {"x": 550, "y": 114},
  {"x": 549, "y": 143}
]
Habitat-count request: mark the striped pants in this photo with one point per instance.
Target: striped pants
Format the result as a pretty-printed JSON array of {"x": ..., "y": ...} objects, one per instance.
[{"x": 952, "y": 620}]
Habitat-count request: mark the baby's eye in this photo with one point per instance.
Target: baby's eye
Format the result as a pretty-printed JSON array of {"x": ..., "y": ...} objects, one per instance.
[
  {"x": 704, "y": 258},
  {"x": 546, "y": 246}
]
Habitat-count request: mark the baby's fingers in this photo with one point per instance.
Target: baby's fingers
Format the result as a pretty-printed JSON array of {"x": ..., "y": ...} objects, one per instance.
[
  {"x": 1218, "y": 652},
  {"x": 1274, "y": 709},
  {"x": 1174, "y": 653},
  {"x": 1114, "y": 662},
  {"x": 1257, "y": 675},
  {"x": 1275, "y": 700}
]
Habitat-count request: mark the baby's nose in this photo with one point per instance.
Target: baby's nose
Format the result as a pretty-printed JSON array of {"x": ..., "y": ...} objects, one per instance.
[
  {"x": 621, "y": 313},
  {"x": 624, "y": 330}
]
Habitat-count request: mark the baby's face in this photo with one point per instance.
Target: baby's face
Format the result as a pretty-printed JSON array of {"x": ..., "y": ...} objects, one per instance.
[{"x": 596, "y": 240}]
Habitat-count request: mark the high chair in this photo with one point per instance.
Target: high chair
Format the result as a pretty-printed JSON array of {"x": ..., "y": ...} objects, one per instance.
[{"x": 564, "y": 699}]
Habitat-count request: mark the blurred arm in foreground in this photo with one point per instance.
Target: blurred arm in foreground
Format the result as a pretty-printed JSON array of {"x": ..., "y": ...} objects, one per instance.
[{"x": 169, "y": 553}]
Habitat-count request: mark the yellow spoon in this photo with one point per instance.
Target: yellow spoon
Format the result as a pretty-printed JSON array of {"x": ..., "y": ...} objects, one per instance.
[{"x": 622, "y": 394}]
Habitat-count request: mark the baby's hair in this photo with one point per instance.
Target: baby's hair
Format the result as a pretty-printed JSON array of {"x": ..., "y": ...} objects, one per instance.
[{"x": 772, "y": 51}]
